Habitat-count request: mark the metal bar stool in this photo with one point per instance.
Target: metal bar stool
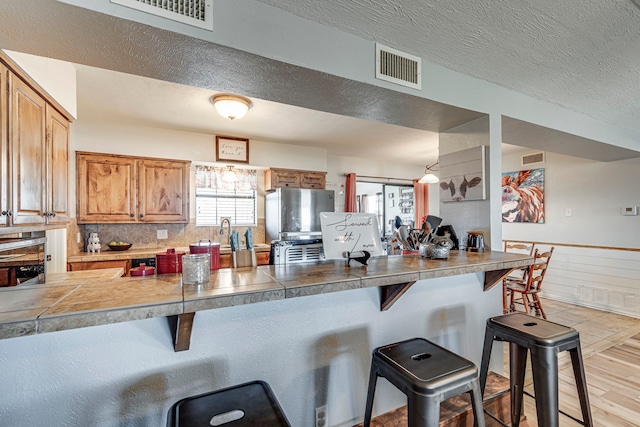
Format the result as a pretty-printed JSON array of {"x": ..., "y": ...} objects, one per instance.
[
  {"x": 427, "y": 374},
  {"x": 251, "y": 404},
  {"x": 545, "y": 340}
]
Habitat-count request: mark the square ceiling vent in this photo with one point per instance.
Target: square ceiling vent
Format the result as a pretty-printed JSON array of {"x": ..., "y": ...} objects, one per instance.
[
  {"x": 398, "y": 67},
  {"x": 533, "y": 159},
  {"x": 198, "y": 13}
]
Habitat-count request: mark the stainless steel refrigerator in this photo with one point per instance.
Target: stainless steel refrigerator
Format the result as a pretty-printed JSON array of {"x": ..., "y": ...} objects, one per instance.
[{"x": 293, "y": 214}]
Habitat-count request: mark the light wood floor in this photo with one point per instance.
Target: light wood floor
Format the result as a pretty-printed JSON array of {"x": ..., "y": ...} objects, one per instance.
[{"x": 611, "y": 350}]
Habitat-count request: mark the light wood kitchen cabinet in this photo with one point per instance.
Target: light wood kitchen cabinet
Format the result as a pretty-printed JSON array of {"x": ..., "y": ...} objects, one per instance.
[
  {"x": 126, "y": 189},
  {"x": 291, "y": 178},
  {"x": 163, "y": 191},
  {"x": 27, "y": 154},
  {"x": 226, "y": 260},
  {"x": 4, "y": 146},
  {"x": 57, "y": 167},
  {"x": 125, "y": 264},
  {"x": 35, "y": 150}
]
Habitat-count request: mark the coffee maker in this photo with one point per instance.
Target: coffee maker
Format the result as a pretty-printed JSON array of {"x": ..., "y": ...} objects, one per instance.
[{"x": 475, "y": 241}]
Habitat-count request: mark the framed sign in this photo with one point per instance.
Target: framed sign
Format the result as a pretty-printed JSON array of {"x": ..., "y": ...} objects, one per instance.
[
  {"x": 344, "y": 232},
  {"x": 232, "y": 149}
]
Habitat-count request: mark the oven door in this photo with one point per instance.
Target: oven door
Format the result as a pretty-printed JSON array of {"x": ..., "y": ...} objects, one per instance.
[{"x": 22, "y": 275}]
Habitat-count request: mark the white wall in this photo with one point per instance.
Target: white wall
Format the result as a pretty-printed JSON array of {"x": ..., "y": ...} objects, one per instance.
[
  {"x": 57, "y": 78},
  {"x": 596, "y": 193}
]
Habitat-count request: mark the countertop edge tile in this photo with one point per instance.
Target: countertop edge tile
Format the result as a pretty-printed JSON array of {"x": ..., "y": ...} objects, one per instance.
[
  {"x": 105, "y": 317},
  {"x": 21, "y": 328},
  {"x": 321, "y": 288},
  {"x": 233, "y": 300}
]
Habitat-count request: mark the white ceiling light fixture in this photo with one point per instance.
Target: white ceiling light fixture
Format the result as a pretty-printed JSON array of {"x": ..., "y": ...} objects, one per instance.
[
  {"x": 231, "y": 106},
  {"x": 429, "y": 177}
]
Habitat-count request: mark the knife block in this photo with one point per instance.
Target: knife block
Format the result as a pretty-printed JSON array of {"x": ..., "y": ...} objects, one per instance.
[{"x": 244, "y": 258}]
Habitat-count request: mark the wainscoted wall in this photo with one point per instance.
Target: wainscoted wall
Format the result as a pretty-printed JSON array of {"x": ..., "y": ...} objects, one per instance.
[{"x": 603, "y": 278}]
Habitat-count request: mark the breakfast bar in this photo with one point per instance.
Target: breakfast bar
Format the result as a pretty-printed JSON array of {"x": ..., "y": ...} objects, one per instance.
[{"x": 88, "y": 298}]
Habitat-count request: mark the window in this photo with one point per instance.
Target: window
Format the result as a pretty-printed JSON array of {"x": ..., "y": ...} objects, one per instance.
[{"x": 225, "y": 192}]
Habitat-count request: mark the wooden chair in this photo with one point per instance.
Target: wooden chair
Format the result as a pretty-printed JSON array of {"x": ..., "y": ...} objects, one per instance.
[
  {"x": 520, "y": 248},
  {"x": 526, "y": 290}
]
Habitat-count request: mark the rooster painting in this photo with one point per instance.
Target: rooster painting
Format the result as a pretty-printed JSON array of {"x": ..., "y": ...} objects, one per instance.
[{"x": 523, "y": 196}]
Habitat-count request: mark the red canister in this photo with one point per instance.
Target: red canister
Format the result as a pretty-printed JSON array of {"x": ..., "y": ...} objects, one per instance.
[
  {"x": 207, "y": 247},
  {"x": 169, "y": 262}
]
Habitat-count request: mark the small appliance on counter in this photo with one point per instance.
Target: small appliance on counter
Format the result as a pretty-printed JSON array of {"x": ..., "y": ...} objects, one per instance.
[
  {"x": 169, "y": 262},
  {"x": 448, "y": 231},
  {"x": 475, "y": 241}
]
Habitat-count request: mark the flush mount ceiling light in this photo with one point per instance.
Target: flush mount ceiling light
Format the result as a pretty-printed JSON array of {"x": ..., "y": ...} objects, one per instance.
[
  {"x": 231, "y": 106},
  {"x": 429, "y": 177}
]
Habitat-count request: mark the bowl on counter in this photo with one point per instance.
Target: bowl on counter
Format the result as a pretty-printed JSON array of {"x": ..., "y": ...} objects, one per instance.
[{"x": 120, "y": 247}]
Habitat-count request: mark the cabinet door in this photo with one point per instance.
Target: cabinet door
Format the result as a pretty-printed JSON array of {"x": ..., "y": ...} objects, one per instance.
[
  {"x": 27, "y": 154},
  {"x": 105, "y": 189},
  {"x": 315, "y": 180},
  {"x": 57, "y": 166},
  {"x": 281, "y": 178},
  {"x": 163, "y": 191},
  {"x": 125, "y": 264},
  {"x": 4, "y": 147}
]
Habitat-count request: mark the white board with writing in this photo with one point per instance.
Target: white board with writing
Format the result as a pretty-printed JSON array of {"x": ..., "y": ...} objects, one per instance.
[{"x": 349, "y": 232}]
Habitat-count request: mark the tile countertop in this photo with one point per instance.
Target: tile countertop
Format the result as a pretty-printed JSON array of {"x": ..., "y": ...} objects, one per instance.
[
  {"x": 87, "y": 298},
  {"x": 108, "y": 254}
]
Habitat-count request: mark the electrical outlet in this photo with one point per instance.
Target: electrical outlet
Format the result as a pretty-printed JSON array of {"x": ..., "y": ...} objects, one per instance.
[
  {"x": 162, "y": 234},
  {"x": 222, "y": 218},
  {"x": 321, "y": 416}
]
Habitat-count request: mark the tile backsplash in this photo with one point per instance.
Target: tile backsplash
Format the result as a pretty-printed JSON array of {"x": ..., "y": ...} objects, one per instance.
[{"x": 144, "y": 236}]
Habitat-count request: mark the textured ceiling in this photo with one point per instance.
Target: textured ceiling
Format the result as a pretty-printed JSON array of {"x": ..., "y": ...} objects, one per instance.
[
  {"x": 546, "y": 50},
  {"x": 583, "y": 55}
]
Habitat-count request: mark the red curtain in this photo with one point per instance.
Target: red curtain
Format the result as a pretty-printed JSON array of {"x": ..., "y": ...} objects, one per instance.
[
  {"x": 350, "y": 204},
  {"x": 420, "y": 202}
]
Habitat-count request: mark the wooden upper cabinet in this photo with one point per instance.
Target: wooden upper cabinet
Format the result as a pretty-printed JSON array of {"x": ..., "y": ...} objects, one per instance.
[
  {"x": 4, "y": 146},
  {"x": 291, "y": 178},
  {"x": 57, "y": 166},
  {"x": 28, "y": 145},
  {"x": 105, "y": 188},
  {"x": 163, "y": 191},
  {"x": 34, "y": 137},
  {"x": 125, "y": 189},
  {"x": 316, "y": 180}
]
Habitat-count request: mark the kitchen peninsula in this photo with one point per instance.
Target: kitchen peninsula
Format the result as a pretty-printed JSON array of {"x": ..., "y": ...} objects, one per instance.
[{"x": 72, "y": 300}]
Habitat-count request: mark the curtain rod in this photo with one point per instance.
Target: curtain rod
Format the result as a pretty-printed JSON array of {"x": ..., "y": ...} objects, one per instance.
[{"x": 382, "y": 177}]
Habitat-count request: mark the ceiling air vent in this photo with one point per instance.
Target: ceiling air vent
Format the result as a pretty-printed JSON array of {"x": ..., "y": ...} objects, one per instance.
[
  {"x": 533, "y": 159},
  {"x": 198, "y": 13},
  {"x": 398, "y": 67}
]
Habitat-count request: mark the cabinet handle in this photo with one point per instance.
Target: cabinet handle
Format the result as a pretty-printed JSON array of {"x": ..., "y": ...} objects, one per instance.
[
  {"x": 52, "y": 214},
  {"x": 131, "y": 215},
  {"x": 5, "y": 213},
  {"x": 141, "y": 215}
]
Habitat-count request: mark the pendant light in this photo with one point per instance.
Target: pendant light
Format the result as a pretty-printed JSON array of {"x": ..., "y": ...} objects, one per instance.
[
  {"x": 231, "y": 106},
  {"x": 429, "y": 177}
]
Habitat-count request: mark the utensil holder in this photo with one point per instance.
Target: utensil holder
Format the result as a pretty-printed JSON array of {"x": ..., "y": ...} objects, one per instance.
[{"x": 245, "y": 258}]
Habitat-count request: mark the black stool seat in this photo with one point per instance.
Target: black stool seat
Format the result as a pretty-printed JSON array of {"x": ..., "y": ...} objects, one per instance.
[
  {"x": 246, "y": 405},
  {"x": 427, "y": 374},
  {"x": 544, "y": 339}
]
